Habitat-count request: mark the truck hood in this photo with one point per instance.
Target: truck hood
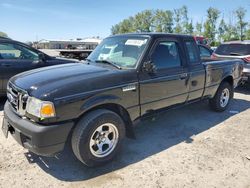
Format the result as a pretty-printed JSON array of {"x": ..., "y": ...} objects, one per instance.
[{"x": 64, "y": 80}]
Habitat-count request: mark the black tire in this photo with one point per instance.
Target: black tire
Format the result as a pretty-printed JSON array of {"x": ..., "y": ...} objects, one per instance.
[
  {"x": 215, "y": 102},
  {"x": 87, "y": 126}
]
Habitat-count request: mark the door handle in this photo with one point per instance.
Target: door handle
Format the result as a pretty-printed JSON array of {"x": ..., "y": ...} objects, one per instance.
[
  {"x": 194, "y": 83},
  {"x": 183, "y": 76}
]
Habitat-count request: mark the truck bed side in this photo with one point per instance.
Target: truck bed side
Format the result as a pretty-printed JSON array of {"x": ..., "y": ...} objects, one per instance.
[{"x": 217, "y": 71}]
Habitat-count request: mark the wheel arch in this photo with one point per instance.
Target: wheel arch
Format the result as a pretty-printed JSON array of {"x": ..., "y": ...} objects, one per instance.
[
  {"x": 117, "y": 108},
  {"x": 228, "y": 79}
]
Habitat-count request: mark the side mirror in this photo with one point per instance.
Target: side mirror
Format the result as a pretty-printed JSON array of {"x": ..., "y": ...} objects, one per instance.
[
  {"x": 41, "y": 57},
  {"x": 149, "y": 67}
]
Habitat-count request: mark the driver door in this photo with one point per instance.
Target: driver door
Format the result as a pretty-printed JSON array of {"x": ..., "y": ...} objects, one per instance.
[
  {"x": 168, "y": 84},
  {"x": 14, "y": 59}
]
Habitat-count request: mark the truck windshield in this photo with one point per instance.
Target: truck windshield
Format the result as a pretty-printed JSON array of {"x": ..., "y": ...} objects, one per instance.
[
  {"x": 233, "y": 49},
  {"x": 123, "y": 51}
]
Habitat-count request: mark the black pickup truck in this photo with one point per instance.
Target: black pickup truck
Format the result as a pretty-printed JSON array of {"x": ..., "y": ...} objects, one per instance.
[{"x": 94, "y": 104}]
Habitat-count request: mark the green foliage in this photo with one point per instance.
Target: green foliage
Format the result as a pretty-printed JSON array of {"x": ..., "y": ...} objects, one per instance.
[
  {"x": 231, "y": 33},
  {"x": 2, "y": 34},
  {"x": 222, "y": 30},
  {"x": 181, "y": 19},
  {"x": 211, "y": 22},
  {"x": 190, "y": 28},
  {"x": 214, "y": 28},
  {"x": 216, "y": 43},
  {"x": 163, "y": 21},
  {"x": 241, "y": 24},
  {"x": 248, "y": 33},
  {"x": 177, "y": 19},
  {"x": 198, "y": 29},
  {"x": 143, "y": 21},
  {"x": 126, "y": 26}
]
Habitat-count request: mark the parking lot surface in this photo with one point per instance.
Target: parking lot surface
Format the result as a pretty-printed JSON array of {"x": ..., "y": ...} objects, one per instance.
[{"x": 187, "y": 147}]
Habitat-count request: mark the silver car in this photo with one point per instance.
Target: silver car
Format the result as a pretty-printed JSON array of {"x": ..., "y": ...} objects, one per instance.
[{"x": 235, "y": 49}]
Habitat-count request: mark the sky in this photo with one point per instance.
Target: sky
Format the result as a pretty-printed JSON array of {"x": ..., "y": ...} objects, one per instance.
[{"x": 33, "y": 20}]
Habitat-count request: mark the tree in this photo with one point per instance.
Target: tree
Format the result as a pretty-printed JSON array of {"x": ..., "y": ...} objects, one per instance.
[
  {"x": 210, "y": 24},
  {"x": 248, "y": 33},
  {"x": 2, "y": 34},
  {"x": 185, "y": 20},
  {"x": 143, "y": 21},
  {"x": 177, "y": 18},
  {"x": 190, "y": 28},
  {"x": 125, "y": 26},
  {"x": 233, "y": 28},
  {"x": 163, "y": 21},
  {"x": 115, "y": 29},
  {"x": 198, "y": 28},
  {"x": 231, "y": 33},
  {"x": 182, "y": 22},
  {"x": 241, "y": 24},
  {"x": 222, "y": 30}
]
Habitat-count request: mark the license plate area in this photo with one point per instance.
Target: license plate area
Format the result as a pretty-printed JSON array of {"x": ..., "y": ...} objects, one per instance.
[{"x": 5, "y": 128}]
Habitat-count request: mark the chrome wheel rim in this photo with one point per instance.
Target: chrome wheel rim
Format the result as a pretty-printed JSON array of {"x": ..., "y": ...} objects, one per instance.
[
  {"x": 104, "y": 140},
  {"x": 224, "y": 98}
]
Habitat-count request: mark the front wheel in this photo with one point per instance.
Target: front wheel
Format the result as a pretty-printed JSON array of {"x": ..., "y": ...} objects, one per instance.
[
  {"x": 97, "y": 137},
  {"x": 222, "y": 97}
]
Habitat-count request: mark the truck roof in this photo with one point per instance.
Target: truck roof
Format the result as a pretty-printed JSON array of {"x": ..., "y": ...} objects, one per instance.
[{"x": 155, "y": 35}]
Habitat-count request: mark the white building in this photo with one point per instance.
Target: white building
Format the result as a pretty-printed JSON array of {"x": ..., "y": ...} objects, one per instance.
[{"x": 87, "y": 43}]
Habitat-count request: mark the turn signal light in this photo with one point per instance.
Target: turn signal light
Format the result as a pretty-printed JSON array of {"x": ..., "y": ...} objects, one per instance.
[{"x": 47, "y": 110}]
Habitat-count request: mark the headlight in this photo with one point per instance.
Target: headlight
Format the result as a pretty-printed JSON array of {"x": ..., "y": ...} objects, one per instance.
[{"x": 40, "y": 109}]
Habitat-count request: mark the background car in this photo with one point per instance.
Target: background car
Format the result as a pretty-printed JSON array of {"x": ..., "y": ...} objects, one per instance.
[
  {"x": 201, "y": 40},
  {"x": 16, "y": 57},
  {"x": 235, "y": 49}
]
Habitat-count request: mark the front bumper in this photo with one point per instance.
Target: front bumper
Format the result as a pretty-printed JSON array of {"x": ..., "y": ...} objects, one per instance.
[{"x": 42, "y": 140}]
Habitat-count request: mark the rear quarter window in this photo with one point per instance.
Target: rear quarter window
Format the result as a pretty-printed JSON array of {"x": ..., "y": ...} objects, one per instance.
[
  {"x": 192, "y": 52},
  {"x": 233, "y": 49}
]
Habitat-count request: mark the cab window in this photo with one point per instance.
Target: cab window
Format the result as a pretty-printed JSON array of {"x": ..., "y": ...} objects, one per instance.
[
  {"x": 13, "y": 51},
  {"x": 166, "y": 55},
  {"x": 192, "y": 53},
  {"x": 204, "y": 52}
]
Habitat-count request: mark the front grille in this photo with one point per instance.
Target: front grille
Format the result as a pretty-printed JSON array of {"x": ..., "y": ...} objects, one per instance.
[{"x": 17, "y": 98}]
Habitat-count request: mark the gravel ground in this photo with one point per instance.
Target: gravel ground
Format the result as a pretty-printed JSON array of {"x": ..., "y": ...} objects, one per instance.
[{"x": 186, "y": 147}]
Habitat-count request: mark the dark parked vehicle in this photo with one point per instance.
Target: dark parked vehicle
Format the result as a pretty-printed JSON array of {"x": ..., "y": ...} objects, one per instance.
[
  {"x": 16, "y": 57},
  {"x": 94, "y": 104},
  {"x": 235, "y": 50}
]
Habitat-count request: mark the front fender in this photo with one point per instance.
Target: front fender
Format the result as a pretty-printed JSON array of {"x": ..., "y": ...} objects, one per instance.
[{"x": 99, "y": 100}]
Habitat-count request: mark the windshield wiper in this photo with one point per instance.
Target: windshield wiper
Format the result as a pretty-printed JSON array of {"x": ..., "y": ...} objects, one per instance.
[
  {"x": 88, "y": 61},
  {"x": 108, "y": 62},
  {"x": 236, "y": 54}
]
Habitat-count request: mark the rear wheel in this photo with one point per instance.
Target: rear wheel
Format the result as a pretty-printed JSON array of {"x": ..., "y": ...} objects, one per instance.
[
  {"x": 97, "y": 137},
  {"x": 222, "y": 97}
]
